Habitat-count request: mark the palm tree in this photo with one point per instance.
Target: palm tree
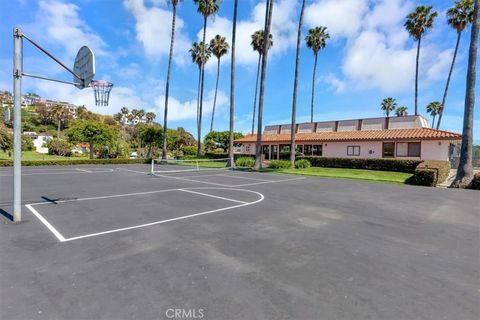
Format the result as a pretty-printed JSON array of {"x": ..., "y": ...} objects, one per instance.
[
  {"x": 124, "y": 111},
  {"x": 417, "y": 24},
  {"x": 218, "y": 47},
  {"x": 316, "y": 40},
  {"x": 167, "y": 85},
  {"x": 295, "y": 87},
  {"x": 388, "y": 105},
  {"x": 257, "y": 44},
  {"x": 150, "y": 117},
  {"x": 465, "y": 168},
  {"x": 206, "y": 8},
  {"x": 258, "y": 144},
  {"x": 140, "y": 114},
  {"x": 401, "y": 111},
  {"x": 200, "y": 54},
  {"x": 459, "y": 16},
  {"x": 433, "y": 108},
  {"x": 232, "y": 87}
]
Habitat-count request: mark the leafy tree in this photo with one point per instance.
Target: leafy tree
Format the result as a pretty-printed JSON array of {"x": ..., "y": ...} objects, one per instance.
[
  {"x": 91, "y": 132},
  {"x": 151, "y": 136},
  {"x": 150, "y": 116},
  {"x": 458, "y": 17},
  {"x": 6, "y": 139},
  {"x": 465, "y": 168},
  {"x": 219, "y": 47},
  {"x": 257, "y": 45},
  {"x": 316, "y": 40},
  {"x": 388, "y": 105},
  {"x": 27, "y": 143},
  {"x": 200, "y": 54},
  {"x": 433, "y": 108},
  {"x": 258, "y": 144},
  {"x": 220, "y": 139},
  {"x": 401, "y": 111},
  {"x": 416, "y": 25}
]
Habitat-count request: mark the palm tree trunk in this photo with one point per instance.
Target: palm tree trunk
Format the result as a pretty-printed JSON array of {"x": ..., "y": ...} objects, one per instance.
[
  {"x": 256, "y": 91},
  {"x": 295, "y": 88},
  {"x": 465, "y": 168},
  {"x": 198, "y": 91},
  {"x": 448, "y": 80},
  {"x": 313, "y": 87},
  {"x": 58, "y": 128},
  {"x": 258, "y": 144},
  {"x": 90, "y": 145},
  {"x": 215, "y": 96},
  {"x": 433, "y": 121},
  {"x": 416, "y": 75},
  {"x": 232, "y": 87},
  {"x": 199, "y": 127},
  {"x": 167, "y": 86}
]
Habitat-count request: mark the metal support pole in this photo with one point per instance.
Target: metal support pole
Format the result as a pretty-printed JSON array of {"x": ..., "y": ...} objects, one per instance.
[{"x": 17, "y": 125}]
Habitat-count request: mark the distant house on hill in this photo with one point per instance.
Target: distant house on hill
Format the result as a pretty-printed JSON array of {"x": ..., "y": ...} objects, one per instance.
[
  {"x": 39, "y": 140},
  {"x": 408, "y": 137}
]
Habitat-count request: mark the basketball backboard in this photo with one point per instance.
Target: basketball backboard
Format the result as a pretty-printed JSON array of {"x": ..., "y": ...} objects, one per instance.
[{"x": 84, "y": 67}]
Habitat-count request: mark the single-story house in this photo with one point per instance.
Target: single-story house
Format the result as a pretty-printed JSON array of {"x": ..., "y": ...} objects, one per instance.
[{"x": 408, "y": 137}]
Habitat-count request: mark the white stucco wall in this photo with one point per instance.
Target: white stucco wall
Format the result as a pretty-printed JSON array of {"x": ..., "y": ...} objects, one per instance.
[
  {"x": 339, "y": 149},
  {"x": 435, "y": 150}
]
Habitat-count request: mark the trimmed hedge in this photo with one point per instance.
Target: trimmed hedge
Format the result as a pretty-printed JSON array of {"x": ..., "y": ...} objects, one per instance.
[
  {"x": 245, "y": 162},
  {"x": 431, "y": 173},
  {"x": 407, "y": 166},
  {"x": 280, "y": 164},
  {"x": 69, "y": 162},
  {"x": 302, "y": 164}
]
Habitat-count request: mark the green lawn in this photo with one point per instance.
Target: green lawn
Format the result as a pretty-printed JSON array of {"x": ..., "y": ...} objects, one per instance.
[
  {"x": 32, "y": 156},
  {"x": 361, "y": 174}
]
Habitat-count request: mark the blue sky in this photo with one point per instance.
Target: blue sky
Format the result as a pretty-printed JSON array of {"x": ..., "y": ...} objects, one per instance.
[{"x": 369, "y": 57}]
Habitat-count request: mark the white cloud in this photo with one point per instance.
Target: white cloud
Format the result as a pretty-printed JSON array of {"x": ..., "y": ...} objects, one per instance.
[
  {"x": 378, "y": 53},
  {"x": 284, "y": 31},
  {"x": 342, "y": 18},
  {"x": 153, "y": 26},
  {"x": 59, "y": 23},
  {"x": 178, "y": 110}
]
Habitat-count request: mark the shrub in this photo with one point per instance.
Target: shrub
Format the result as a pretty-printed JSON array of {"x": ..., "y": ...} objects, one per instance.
[
  {"x": 189, "y": 150},
  {"x": 475, "y": 185},
  {"x": 245, "y": 162},
  {"x": 280, "y": 164},
  {"x": 408, "y": 166},
  {"x": 59, "y": 147},
  {"x": 27, "y": 143},
  {"x": 302, "y": 164},
  {"x": 424, "y": 177},
  {"x": 440, "y": 169}
]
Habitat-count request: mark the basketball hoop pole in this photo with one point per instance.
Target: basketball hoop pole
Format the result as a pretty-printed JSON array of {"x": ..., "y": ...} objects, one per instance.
[{"x": 17, "y": 124}]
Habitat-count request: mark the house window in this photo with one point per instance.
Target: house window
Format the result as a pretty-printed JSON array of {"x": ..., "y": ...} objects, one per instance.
[
  {"x": 408, "y": 149},
  {"x": 353, "y": 151},
  {"x": 284, "y": 148},
  {"x": 317, "y": 150},
  {"x": 298, "y": 149},
  {"x": 388, "y": 149},
  {"x": 247, "y": 148},
  {"x": 307, "y": 149}
]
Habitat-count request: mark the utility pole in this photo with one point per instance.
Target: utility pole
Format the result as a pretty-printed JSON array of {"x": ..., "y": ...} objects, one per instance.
[{"x": 17, "y": 124}]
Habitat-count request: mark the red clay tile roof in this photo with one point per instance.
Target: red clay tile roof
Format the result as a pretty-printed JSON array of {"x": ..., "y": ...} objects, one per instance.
[{"x": 371, "y": 135}]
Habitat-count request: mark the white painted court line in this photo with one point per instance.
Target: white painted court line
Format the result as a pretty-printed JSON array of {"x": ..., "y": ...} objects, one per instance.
[
  {"x": 65, "y": 172},
  {"x": 46, "y": 223},
  {"x": 247, "y": 178},
  {"x": 129, "y": 170},
  {"x": 256, "y": 183},
  {"x": 192, "y": 180},
  {"x": 61, "y": 238},
  {"x": 83, "y": 170},
  {"x": 212, "y": 196}
]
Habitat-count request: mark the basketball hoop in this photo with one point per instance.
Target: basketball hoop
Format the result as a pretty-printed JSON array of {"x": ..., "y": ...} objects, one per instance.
[{"x": 102, "y": 89}]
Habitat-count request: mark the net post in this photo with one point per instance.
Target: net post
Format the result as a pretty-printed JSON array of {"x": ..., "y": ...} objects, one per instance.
[
  {"x": 151, "y": 167},
  {"x": 198, "y": 166}
]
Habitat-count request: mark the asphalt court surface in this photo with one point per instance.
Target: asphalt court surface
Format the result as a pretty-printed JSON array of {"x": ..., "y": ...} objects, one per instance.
[{"x": 238, "y": 245}]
